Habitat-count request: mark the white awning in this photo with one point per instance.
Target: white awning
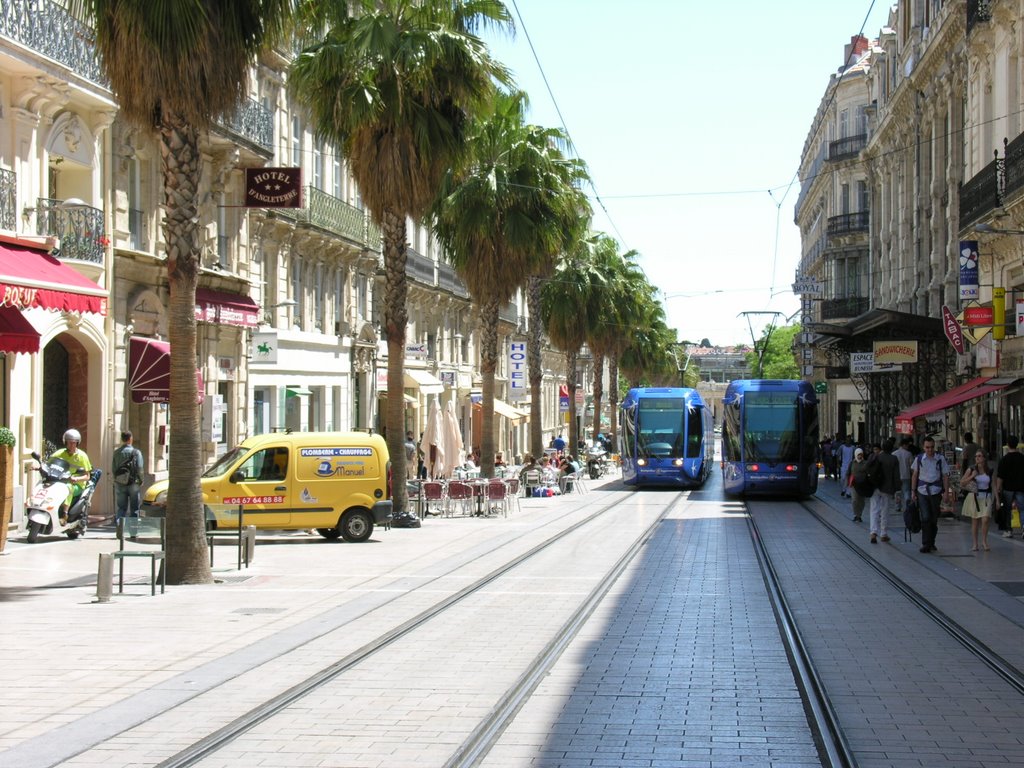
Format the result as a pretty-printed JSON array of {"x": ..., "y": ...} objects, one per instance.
[
  {"x": 501, "y": 408},
  {"x": 427, "y": 383}
]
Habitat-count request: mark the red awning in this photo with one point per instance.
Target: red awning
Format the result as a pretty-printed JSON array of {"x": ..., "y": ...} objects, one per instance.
[
  {"x": 17, "y": 333},
  {"x": 30, "y": 277},
  {"x": 226, "y": 308},
  {"x": 972, "y": 389},
  {"x": 149, "y": 371}
]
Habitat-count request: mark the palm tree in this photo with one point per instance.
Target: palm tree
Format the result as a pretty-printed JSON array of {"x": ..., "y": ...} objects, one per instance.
[
  {"x": 608, "y": 331},
  {"x": 396, "y": 86},
  {"x": 567, "y": 299},
  {"x": 648, "y": 356},
  {"x": 174, "y": 68},
  {"x": 504, "y": 217}
]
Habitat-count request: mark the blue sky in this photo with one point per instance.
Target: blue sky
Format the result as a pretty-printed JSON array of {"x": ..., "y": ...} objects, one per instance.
[{"x": 691, "y": 117}]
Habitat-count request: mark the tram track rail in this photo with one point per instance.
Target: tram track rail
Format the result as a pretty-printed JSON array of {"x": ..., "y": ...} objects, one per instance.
[
  {"x": 1003, "y": 668},
  {"x": 486, "y": 733},
  {"x": 834, "y": 748}
]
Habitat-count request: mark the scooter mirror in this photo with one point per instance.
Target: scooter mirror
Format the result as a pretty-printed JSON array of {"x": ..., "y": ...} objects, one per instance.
[{"x": 36, "y": 456}]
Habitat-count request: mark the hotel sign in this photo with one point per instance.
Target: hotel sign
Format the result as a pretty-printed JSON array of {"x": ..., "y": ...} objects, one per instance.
[{"x": 273, "y": 187}]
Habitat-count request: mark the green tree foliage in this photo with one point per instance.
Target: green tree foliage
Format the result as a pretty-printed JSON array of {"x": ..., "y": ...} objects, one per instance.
[{"x": 778, "y": 360}]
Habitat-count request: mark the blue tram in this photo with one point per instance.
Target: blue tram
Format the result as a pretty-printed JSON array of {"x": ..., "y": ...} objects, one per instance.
[
  {"x": 666, "y": 437},
  {"x": 770, "y": 437}
]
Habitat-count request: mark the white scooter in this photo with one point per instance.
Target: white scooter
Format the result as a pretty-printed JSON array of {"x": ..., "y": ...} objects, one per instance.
[{"x": 43, "y": 508}]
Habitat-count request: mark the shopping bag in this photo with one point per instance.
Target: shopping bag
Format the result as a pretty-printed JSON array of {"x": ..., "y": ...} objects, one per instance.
[{"x": 1014, "y": 516}]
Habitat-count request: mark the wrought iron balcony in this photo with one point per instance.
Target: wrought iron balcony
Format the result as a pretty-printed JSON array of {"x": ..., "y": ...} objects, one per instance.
[
  {"x": 978, "y": 11},
  {"x": 1013, "y": 166},
  {"x": 844, "y": 149},
  {"x": 8, "y": 200},
  {"x": 844, "y": 308},
  {"x": 448, "y": 280},
  {"x": 418, "y": 267},
  {"x": 79, "y": 228},
  {"x": 329, "y": 213},
  {"x": 47, "y": 28},
  {"x": 848, "y": 223},
  {"x": 252, "y": 122},
  {"x": 982, "y": 193}
]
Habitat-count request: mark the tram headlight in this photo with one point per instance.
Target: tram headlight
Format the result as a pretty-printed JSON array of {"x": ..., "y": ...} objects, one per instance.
[
  {"x": 753, "y": 467},
  {"x": 678, "y": 462},
  {"x": 641, "y": 462}
]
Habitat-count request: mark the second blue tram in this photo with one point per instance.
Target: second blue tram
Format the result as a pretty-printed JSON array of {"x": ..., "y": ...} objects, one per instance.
[
  {"x": 770, "y": 437},
  {"x": 665, "y": 437}
]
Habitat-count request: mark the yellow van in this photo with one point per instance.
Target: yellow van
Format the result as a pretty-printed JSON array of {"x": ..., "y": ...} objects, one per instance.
[{"x": 335, "y": 482}]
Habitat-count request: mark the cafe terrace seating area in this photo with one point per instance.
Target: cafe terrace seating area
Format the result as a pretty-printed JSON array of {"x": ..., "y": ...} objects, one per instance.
[{"x": 468, "y": 494}]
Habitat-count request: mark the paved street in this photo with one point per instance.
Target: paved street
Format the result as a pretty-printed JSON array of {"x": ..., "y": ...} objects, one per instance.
[{"x": 157, "y": 666}]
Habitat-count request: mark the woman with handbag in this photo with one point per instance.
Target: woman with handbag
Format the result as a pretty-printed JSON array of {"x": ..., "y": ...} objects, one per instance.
[{"x": 978, "y": 503}]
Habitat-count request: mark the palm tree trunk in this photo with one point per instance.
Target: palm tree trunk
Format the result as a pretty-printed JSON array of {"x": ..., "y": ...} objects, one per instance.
[
  {"x": 488, "y": 366},
  {"x": 570, "y": 375},
  {"x": 187, "y": 559},
  {"x": 598, "y": 393},
  {"x": 396, "y": 320},
  {"x": 535, "y": 363},
  {"x": 613, "y": 393}
]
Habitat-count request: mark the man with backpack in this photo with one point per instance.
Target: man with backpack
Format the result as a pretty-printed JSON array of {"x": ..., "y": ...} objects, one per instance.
[
  {"x": 126, "y": 470},
  {"x": 929, "y": 483}
]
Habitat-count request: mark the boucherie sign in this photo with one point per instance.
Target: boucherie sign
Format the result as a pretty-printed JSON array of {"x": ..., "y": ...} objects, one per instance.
[{"x": 273, "y": 187}]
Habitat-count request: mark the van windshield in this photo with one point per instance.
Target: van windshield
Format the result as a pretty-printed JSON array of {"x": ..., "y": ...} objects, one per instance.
[{"x": 224, "y": 462}]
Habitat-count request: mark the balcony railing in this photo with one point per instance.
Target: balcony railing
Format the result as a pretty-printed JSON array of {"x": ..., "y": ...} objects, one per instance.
[
  {"x": 79, "y": 228},
  {"x": 47, "y": 28},
  {"x": 978, "y": 11},
  {"x": 333, "y": 215},
  {"x": 848, "y": 223},
  {"x": 448, "y": 280},
  {"x": 252, "y": 122},
  {"x": 982, "y": 193},
  {"x": 8, "y": 200},
  {"x": 844, "y": 308},
  {"x": 419, "y": 267},
  {"x": 844, "y": 149},
  {"x": 1013, "y": 166}
]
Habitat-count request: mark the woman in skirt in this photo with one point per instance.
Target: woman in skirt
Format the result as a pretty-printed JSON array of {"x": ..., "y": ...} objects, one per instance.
[{"x": 978, "y": 503}]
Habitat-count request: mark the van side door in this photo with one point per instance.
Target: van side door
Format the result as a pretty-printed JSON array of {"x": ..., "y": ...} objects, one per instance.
[{"x": 260, "y": 485}]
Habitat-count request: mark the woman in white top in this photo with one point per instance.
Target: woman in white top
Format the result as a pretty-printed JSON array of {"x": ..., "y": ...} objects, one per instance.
[{"x": 978, "y": 504}]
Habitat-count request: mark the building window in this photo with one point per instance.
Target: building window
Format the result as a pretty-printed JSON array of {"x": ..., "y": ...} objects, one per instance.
[
  {"x": 297, "y": 289},
  {"x": 318, "y": 167},
  {"x": 318, "y": 298},
  {"x": 336, "y": 177},
  {"x": 296, "y": 142}
]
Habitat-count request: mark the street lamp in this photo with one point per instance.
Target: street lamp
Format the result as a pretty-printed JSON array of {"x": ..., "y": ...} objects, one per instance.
[{"x": 268, "y": 318}]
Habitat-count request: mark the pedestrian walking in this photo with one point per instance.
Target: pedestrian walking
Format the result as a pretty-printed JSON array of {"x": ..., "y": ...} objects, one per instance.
[
  {"x": 905, "y": 457},
  {"x": 845, "y": 454},
  {"x": 929, "y": 483},
  {"x": 977, "y": 483},
  {"x": 1009, "y": 484},
  {"x": 967, "y": 455},
  {"x": 859, "y": 484},
  {"x": 411, "y": 468},
  {"x": 126, "y": 470},
  {"x": 885, "y": 475}
]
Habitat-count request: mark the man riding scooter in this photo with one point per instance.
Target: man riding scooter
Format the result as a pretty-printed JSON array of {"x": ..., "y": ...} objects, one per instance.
[{"x": 80, "y": 468}]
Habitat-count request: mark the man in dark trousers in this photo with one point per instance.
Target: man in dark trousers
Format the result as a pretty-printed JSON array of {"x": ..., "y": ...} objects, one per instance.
[
  {"x": 930, "y": 482},
  {"x": 1009, "y": 484},
  {"x": 126, "y": 472}
]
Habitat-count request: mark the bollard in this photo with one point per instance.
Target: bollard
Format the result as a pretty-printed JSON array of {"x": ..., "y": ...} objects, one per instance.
[
  {"x": 250, "y": 544},
  {"x": 105, "y": 579}
]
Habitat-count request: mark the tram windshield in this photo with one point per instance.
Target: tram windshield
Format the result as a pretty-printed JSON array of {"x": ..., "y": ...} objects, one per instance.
[
  {"x": 661, "y": 429},
  {"x": 771, "y": 427}
]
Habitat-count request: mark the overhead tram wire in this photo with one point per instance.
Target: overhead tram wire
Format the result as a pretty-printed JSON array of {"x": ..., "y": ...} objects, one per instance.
[{"x": 558, "y": 111}]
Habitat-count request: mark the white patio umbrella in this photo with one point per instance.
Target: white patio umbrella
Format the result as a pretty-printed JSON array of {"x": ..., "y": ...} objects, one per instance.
[
  {"x": 451, "y": 439},
  {"x": 432, "y": 442}
]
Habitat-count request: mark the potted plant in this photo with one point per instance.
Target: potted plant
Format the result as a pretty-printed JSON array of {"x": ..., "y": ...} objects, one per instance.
[{"x": 7, "y": 442}]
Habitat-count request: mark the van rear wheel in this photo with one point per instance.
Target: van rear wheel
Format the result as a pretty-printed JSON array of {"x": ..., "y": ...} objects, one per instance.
[
  {"x": 329, "y": 533},
  {"x": 356, "y": 526}
]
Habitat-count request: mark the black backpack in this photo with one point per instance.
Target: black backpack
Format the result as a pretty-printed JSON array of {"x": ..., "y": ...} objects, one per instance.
[
  {"x": 876, "y": 472},
  {"x": 912, "y": 516},
  {"x": 128, "y": 470}
]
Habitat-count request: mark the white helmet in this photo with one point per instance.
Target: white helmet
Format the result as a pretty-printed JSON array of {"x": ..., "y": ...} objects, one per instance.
[{"x": 73, "y": 434}]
